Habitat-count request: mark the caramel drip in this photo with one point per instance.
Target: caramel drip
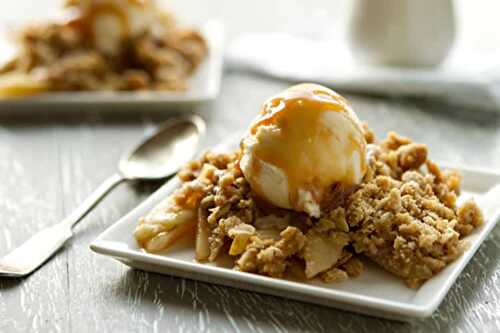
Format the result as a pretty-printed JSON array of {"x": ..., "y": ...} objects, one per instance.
[{"x": 302, "y": 145}]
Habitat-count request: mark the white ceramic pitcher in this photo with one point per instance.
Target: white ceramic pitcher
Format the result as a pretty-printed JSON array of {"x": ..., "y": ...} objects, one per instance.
[{"x": 402, "y": 32}]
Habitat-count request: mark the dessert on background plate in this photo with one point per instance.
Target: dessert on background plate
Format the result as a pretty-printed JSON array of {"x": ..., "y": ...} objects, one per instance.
[
  {"x": 112, "y": 45},
  {"x": 309, "y": 192}
]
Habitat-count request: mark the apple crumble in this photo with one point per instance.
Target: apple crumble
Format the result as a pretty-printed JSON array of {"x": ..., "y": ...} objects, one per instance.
[
  {"x": 104, "y": 45},
  {"x": 403, "y": 218},
  {"x": 402, "y": 213}
]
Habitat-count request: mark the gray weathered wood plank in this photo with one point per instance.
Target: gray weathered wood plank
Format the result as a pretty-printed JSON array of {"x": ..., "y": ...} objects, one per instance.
[{"x": 30, "y": 199}]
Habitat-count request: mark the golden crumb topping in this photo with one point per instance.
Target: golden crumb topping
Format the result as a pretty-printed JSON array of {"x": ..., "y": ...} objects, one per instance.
[
  {"x": 403, "y": 216},
  {"x": 405, "y": 219}
]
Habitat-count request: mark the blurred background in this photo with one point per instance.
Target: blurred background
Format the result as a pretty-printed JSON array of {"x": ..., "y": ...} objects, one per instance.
[{"x": 477, "y": 20}]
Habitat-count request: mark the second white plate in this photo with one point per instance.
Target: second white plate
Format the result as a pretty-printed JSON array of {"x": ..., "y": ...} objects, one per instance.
[{"x": 203, "y": 87}]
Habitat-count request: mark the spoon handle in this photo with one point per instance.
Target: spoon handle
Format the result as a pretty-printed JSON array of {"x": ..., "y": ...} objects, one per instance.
[
  {"x": 40, "y": 247},
  {"x": 92, "y": 200}
]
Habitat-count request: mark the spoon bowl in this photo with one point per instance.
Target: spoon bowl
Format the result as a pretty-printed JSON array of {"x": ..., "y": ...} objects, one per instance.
[{"x": 161, "y": 153}]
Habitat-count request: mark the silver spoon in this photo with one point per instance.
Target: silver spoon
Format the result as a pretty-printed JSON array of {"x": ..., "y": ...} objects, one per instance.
[{"x": 158, "y": 156}]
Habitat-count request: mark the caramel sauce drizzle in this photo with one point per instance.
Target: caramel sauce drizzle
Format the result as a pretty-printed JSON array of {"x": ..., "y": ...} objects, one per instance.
[{"x": 300, "y": 148}]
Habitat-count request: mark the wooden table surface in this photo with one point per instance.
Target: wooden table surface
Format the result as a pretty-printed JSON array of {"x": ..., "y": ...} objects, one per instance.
[{"x": 48, "y": 164}]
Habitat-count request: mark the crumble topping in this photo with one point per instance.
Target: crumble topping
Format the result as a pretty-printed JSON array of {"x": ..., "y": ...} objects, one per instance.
[
  {"x": 403, "y": 216},
  {"x": 405, "y": 219},
  {"x": 270, "y": 257}
]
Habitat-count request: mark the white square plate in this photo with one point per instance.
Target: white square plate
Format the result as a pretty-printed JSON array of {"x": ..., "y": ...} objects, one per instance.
[
  {"x": 203, "y": 87},
  {"x": 375, "y": 292}
]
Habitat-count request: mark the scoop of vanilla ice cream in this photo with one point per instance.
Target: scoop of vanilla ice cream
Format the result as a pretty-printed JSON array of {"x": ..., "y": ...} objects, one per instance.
[
  {"x": 110, "y": 21},
  {"x": 304, "y": 141}
]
